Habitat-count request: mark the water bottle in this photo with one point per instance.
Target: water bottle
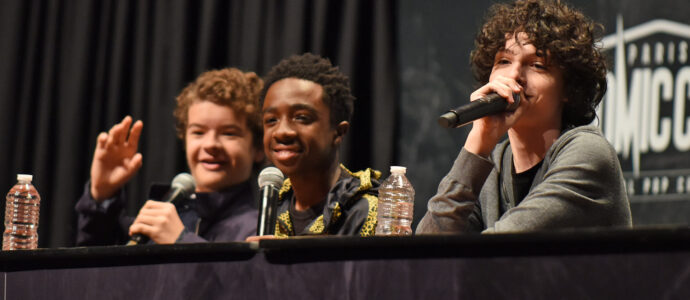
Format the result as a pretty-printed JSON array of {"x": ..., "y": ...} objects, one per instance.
[
  {"x": 396, "y": 204},
  {"x": 21, "y": 215}
]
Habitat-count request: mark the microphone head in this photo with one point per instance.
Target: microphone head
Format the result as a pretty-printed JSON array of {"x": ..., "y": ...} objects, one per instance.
[
  {"x": 185, "y": 183},
  {"x": 271, "y": 176},
  {"x": 448, "y": 120}
]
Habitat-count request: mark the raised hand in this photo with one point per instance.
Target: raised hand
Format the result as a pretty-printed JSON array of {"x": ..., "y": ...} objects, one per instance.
[
  {"x": 115, "y": 160},
  {"x": 159, "y": 221},
  {"x": 487, "y": 131}
]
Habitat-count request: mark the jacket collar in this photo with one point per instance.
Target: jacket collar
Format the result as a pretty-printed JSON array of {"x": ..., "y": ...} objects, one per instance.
[{"x": 210, "y": 206}]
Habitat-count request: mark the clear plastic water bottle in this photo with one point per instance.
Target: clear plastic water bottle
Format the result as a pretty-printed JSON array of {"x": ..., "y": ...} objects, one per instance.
[
  {"x": 396, "y": 204},
  {"x": 21, "y": 215}
]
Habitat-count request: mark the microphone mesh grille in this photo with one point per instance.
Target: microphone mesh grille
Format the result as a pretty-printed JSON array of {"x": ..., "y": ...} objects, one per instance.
[
  {"x": 272, "y": 176},
  {"x": 185, "y": 182}
]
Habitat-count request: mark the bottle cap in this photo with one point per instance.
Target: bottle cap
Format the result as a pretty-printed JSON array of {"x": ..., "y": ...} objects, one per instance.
[
  {"x": 398, "y": 169},
  {"x": 24, "y": 177}
]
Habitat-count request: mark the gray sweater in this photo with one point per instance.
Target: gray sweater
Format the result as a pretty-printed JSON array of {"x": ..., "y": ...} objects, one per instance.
[{"x": 579, "y": 184}]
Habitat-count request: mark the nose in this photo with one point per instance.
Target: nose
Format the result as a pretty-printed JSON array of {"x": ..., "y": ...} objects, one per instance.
[
  {"x": 284, "y": 133},
  {"x": 210, "y": 141},
  {"x": 517, "y": 72}
]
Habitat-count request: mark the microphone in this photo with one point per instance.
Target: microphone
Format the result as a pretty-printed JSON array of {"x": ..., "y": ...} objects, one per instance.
[
  {"x": 181, "y": 188},
  {"x": 270, "y": 181},
  {"x": 482, "y": 107}
]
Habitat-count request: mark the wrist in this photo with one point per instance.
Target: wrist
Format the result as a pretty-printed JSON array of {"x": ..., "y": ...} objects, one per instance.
[
  {"x": 94, "y": 194},
  {"x": 480, "y": 144},
  {"x": 97, "y": 194}
]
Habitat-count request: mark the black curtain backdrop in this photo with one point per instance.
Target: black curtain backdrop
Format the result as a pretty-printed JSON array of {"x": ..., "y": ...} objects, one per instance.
[{"x": 71, "y": 69}]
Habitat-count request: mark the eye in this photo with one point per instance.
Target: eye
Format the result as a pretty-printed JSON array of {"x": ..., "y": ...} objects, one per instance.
[
  {"x": 269, "y": 120},
  {"x": 304, "y": 118},
  {"x": 539, "y": 65},
  {"x": 503, "y": 61}
]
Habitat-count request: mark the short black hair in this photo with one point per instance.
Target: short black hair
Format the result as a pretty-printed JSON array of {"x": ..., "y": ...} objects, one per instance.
[{"x": 336, "y": 85}]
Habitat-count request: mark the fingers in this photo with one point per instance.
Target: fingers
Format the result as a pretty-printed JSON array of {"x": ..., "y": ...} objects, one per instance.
[
  {"x": 486, "y": 132},
  {"x": 115, "y": 161},
  {"x": 256, "y": 238},
  {"x": 503, "y": 86},
  {"x": 101, "y": 139},
  {"x": 139, "y": 227},
  {"x": 508, "y": 87},
  {"x": 135, "y": 162},
  {"x": 135, "y": 133},
  {"x": 152, "y": 207},
  {"x": 118, "y": 133},
  {"x": 159, "y": 221},
  {"x": 121, "y": 134}
]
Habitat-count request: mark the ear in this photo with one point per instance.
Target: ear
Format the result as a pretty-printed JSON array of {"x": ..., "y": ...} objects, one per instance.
[{"x": 340, "y": 131}]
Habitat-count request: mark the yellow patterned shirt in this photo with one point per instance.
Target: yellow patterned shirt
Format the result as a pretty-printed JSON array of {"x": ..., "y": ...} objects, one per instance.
[{"x": 350, "y": 207}]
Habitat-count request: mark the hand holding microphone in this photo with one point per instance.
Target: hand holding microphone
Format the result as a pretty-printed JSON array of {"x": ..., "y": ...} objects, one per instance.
[
  {"x": 488, "y": 105},
  {"x": 487, "y": 113},
  {"x": 182, "y": 187}
]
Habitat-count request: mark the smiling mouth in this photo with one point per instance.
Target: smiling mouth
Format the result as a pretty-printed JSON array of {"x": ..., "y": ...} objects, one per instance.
[
  {"x": 285, "y": 155},
  {"x": 212, "y": 165}
]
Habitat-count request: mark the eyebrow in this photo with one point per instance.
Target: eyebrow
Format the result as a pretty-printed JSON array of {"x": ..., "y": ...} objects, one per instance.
[
  {"x": 228, "y": 126},
  {"x": 296, "y": 106},
  {"x": 505, "y": 51},
  {"x": 538, "y": 53}
]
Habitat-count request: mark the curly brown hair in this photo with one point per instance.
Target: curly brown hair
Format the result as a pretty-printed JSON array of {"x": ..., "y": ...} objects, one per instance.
[
  {"x": 335, "y": 84},
  {"x": 564, "y": 34},
  {"x": 229, "y": 87}
]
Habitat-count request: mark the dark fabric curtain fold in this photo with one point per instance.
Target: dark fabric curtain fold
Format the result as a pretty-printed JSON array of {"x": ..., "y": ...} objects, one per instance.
[{"x": 70, "y": 69}]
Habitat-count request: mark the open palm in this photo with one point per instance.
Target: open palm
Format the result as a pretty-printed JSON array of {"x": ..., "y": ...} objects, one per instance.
[{"x": 115, "y": 160}]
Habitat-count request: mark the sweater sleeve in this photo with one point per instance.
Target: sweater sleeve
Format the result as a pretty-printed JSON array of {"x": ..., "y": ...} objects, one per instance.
[
  {"x": 582, "y": 187},
  {"x": 102, "y": 223},
  {"x": 455, "y": 207}
]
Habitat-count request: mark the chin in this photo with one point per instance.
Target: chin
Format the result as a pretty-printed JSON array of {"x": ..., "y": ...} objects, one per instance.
[
  {"x": 288, "y": 171},
  {"x": 207, "y": 182},
  {"x": 210, "y": 186}
]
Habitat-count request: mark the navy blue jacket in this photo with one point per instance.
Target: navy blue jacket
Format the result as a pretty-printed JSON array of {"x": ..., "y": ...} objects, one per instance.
[{"x": 225, "y": 216}]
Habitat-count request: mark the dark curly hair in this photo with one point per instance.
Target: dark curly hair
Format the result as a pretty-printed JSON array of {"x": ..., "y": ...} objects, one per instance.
[
  {"x": 565, "y": 35},
  {"x": 229, "y": 87},
  {"x": 335, "y": 84}
]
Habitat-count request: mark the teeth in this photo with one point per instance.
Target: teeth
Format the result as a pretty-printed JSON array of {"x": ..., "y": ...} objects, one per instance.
[{"x": 284, "y": 154}]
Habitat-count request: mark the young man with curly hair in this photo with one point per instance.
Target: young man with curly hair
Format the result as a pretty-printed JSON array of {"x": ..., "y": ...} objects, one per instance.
[
  {"x": 307, "y": 107},
  {"x": 218, "y": 119},
  {"x": 554, "y": 171}
]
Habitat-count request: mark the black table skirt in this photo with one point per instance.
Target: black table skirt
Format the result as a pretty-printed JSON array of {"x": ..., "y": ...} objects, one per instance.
[{"x": 592, "y": 264}]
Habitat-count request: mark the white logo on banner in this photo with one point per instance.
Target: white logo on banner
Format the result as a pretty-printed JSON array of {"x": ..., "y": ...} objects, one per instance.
[{"x": 644, "y": 113}]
